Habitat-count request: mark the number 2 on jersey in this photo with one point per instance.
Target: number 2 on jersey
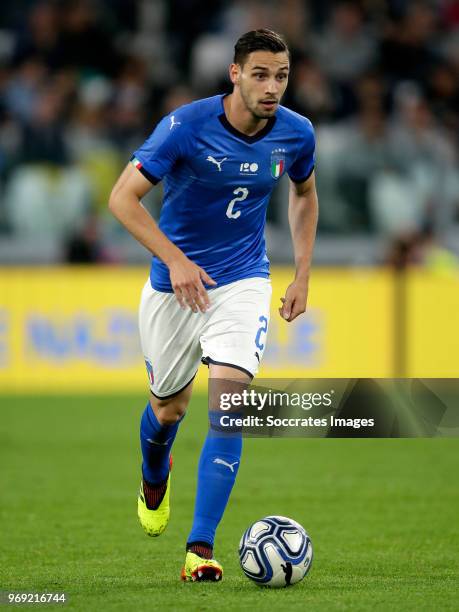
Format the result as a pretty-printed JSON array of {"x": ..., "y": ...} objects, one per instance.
[{"x": 241, "y": 193}]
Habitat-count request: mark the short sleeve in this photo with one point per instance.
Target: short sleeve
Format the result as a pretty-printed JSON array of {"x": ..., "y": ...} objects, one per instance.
[
  {"x": 159, "y": 153},
  {"x": 303, "y": 166}
]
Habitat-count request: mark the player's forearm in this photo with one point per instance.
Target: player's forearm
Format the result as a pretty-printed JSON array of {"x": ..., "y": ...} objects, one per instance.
[
  {"x": 137, "y": 220},
  {"x": 303, "y": 216}
]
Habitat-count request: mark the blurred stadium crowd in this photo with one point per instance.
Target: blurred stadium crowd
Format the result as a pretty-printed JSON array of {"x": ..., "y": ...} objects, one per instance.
[{"x": 83, "y": 82}]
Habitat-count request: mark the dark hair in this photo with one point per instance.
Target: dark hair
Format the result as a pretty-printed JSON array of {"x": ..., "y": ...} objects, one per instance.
[{"x": 258, "y": 40}]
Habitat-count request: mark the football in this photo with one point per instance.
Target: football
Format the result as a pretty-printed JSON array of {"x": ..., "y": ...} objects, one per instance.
[{"x": 276, "y": 552}]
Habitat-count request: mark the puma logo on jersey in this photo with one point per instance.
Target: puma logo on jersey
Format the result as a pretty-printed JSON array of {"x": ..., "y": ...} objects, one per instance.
[
  {"x": 223, "y": 462},
  {"x": 212, "y": 160},
  {"x": 174, "y": 122}
]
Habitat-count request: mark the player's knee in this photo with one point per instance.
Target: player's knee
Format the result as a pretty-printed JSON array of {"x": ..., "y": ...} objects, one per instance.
[
  {"x": 168, "y": 412},
  {"x": 169, "y": 418}
]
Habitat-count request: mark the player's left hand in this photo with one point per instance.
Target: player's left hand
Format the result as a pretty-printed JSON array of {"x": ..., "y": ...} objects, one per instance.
[{"x": 294, "y": 302}]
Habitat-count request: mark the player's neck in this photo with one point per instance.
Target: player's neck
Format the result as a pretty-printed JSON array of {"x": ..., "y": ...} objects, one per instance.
[{"x": 240, "y": 117}]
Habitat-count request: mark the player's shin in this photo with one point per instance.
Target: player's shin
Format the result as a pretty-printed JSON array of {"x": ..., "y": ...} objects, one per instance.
[
  {"x": 156, "y": 441},
  {"x": 218, "y": 467}
]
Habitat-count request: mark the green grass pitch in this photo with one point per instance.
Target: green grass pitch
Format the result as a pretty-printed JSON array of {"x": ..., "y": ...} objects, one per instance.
[{"x": 382, "y": 514}]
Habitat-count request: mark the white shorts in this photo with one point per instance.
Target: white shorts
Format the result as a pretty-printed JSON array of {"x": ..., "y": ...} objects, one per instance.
[{"x": 175, "y": 341}]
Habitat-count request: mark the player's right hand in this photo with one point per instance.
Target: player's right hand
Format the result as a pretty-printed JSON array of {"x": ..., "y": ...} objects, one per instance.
[{"x": 187, "y": 282}]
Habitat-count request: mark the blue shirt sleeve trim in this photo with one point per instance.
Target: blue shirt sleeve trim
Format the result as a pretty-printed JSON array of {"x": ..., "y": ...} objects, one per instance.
[
  {"x": 150, "y": 177},
  {"x": 302, "y": 180}
]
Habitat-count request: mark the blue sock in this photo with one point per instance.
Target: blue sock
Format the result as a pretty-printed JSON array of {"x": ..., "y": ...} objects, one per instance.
[
  {"x": 156, "y": 441},
  {"x": 218, "y": 467}
]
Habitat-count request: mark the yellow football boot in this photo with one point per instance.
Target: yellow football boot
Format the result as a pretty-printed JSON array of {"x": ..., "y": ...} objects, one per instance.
[
  {"x": 154, "y": 522},
  {"x": 197, "y": 569}
]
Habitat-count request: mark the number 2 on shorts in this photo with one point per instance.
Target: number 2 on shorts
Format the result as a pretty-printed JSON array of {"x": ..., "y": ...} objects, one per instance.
[{"x": 262, "y": 330}]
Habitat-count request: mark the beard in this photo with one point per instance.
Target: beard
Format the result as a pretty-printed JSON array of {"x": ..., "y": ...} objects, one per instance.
[{"x": 257, "y": 112}]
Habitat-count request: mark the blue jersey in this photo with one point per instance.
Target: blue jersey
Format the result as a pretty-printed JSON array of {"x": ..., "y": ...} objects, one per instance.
[{"x": 217, "y": 185}]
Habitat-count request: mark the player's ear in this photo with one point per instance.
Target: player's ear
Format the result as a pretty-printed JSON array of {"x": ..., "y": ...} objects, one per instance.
[{"x": 234, "y": 71}]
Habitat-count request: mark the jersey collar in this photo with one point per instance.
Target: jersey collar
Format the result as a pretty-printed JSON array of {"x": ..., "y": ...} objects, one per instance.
[{"x": 249, "y": 139}]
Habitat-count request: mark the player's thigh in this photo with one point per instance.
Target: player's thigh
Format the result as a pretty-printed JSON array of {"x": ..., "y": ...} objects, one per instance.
[
  {"x": 224, "y": 371},
  {"x": 169, "y": 336},
  {"x": 235, "y": 333},
  {"x": 224, "y": 382}
]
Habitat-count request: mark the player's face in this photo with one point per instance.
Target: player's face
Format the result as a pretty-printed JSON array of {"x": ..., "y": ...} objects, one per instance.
[{"x": 262, "y": 81}]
